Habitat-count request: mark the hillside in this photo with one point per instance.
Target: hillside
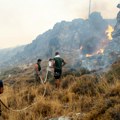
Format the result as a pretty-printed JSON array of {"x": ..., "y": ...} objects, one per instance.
[
  {"x": 87, "y": 92},
  {"x": 66, "y": 37},
  {"x": 7, "y": 54},
  {"x": 90, "y": 96}
]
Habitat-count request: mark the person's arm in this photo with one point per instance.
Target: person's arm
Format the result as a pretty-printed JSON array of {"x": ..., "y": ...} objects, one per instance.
[
  {"x": 53, "y": 63},
  {"x": 63, "y": 62},
  {"x": 36, "y": 69}
]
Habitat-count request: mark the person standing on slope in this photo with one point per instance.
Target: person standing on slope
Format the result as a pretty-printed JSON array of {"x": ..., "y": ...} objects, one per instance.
[
  {"x": 38, "y": 72},
  {"x": 58, "y": 64},
  {"x": 49, "y": 72}
]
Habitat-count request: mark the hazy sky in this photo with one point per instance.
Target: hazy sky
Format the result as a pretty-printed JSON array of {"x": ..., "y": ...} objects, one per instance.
[{"x": 21, "y": 21}]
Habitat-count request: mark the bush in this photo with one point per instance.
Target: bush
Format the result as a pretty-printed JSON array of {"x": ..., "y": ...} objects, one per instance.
[
  {"x": 103, "y": 110},
  {"x": 85, "y": 85}
]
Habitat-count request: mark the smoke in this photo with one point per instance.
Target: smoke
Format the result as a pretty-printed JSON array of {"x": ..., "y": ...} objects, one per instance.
[
  {"x": 106, "y": 7},
  {"x": 91, "y": 37},
  {"x": 80, "y": 7}
]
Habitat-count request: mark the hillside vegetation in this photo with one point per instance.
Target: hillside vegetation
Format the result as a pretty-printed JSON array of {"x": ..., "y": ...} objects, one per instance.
[{"x": 93, "y": 96}]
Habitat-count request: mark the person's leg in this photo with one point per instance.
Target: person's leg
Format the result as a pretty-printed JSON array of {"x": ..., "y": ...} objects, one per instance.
[
  {"x": 41, "y": 77},
  {"x": 37, "y": 79},
  {"x": 55, "y": 83},
  {"x": 57, "y": 75},
  {"x": 58, "y": 83},
  {"x": 59, "y": 78}
]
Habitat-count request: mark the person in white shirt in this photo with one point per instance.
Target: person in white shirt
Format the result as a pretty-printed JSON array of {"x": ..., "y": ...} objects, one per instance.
[
  {"x": 50, "y": 65},
  {"x": 49, "y": 73}
]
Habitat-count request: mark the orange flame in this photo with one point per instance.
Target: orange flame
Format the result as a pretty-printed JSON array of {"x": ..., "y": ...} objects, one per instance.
[
  {"x": 81, "y": 47},
  {"x": 88, "y": 55},
  {"x": 109, "y": 32},
  {"x": 101, "y": 51}
]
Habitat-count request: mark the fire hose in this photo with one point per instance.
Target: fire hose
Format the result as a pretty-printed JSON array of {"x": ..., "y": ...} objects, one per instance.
[{"x": 19, "y": 110}]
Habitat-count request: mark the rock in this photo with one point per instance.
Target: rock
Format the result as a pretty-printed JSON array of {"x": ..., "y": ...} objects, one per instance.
[
  {"x": 64, "y": 118},
  {"x": 61, "y": 118},
  {"x": 53, "y": 119}
]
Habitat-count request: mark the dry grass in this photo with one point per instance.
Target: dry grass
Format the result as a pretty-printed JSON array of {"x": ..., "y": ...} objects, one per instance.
[{"x": 86, "y": 97}]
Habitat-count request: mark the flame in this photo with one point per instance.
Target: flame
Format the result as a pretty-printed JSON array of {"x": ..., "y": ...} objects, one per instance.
[
  {"x": 88, "y": 55},
  {"x": 101, "y": 51},
  {"x": 109, "y": 32},
  {"x": 81, "y": 47}
]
